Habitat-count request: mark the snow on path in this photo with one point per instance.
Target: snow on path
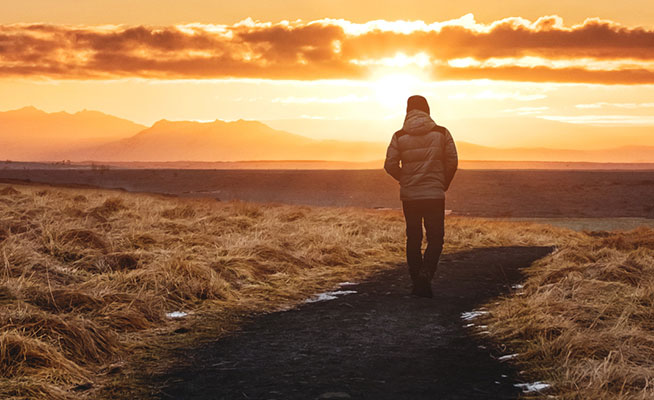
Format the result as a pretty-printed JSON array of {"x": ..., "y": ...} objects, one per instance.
[
  {"x": 176, "y": 314},
  {"x": 329, "y": 295},
  {"x": 533, "y": 386},
  {"x": 470, "y": 315}
]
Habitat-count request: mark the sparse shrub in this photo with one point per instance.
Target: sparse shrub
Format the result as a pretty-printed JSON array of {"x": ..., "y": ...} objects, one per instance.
[
  {"x": 78, "y": 338},
  {"x": 142, "y": 241},
  {"x": 83, "y": 238},
  {"x": 292, "y": 216},
  {"x": 63, "y": 300},
  {"x": 179, "y": 213},
  {"x": 20, "y": 355},
  {"x": 187, "y": 280},
  {"x": 337, "y": 255},
  {"x": 54, "y": 274},
  {"x": 121, "y": 261},
  {"x": 237, "y": 224},
  {"x": 632, "y": 240},
  {"x": 107, "y": 209},
  {"x": 246, "y": 209},
  {"x": 74, "y": 212},
  {"x": 8, "y": 191}
]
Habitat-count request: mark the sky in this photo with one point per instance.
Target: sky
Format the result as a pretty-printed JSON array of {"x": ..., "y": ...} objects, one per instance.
[{"x": 342, "y": 70}]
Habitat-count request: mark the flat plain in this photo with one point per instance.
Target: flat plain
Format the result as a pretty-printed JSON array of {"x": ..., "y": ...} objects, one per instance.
[{"x": 487, "y": 193}]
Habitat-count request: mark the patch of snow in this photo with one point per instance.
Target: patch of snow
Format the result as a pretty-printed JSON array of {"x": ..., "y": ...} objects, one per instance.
[
  {"x": 532, "y": 387},
  {"x": 176, "y": 314},
  {"x": 508, "y": 357},
  {"x": 517, "y": 286},
  {"x": 483, "y": 327},
  {"x": 468, "y": 325},
  {"x": 329, "y": 295},
  {"x": 348, "y": 284},
  {"x": 470, "y": 315}
]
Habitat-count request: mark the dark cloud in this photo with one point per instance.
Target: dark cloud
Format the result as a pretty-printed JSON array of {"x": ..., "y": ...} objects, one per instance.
[{"x": 324, "y": 49}]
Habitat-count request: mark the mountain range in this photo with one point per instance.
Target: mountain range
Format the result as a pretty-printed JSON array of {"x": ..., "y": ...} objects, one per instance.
[{"x": 29, "y": 134}]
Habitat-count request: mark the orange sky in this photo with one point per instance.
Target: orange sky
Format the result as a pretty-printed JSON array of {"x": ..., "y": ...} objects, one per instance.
[
  {"x": 344, "y": 70},
  {"x": 630, "y": 12}
]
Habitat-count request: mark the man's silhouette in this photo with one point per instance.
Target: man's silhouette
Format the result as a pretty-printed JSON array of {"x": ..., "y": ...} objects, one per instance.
[{"x": 422, "y": 158}]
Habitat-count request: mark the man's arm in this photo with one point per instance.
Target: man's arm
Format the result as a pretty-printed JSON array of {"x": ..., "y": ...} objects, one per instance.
[
  {"x": 451, "y": 162},
  {"x": 392, "y": 163}
]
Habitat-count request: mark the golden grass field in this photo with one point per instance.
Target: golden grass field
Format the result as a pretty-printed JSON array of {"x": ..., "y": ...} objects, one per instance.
[{"x": 87, "y": 277}]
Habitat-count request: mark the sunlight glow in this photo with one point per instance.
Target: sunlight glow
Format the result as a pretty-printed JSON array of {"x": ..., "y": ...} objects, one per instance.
[{"x": 392, "y": 90}]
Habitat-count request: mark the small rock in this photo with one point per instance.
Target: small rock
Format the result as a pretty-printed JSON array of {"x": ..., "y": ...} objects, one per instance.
[{"x": 334, "y": 395}]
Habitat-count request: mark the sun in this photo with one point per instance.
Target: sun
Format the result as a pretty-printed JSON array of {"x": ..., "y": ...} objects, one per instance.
[{"x": 392, "y": 90}]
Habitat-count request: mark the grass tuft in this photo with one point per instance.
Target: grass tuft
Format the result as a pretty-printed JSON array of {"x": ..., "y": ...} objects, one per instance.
[{"x": 585, "y": 318}]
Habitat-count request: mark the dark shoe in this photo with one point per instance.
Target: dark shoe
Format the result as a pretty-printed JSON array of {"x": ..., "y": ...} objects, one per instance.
[{"x": 422, "y": 288}]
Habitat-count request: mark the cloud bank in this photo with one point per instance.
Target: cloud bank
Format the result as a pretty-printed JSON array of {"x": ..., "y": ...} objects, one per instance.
[{"x": 597, "y": 51}]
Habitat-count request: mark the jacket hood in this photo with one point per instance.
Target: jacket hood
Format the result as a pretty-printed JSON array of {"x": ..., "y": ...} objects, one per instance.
[{"x": 418, "y": 122}]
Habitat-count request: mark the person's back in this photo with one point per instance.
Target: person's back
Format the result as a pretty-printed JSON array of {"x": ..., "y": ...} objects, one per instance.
[{"x": 422, "y": 157}]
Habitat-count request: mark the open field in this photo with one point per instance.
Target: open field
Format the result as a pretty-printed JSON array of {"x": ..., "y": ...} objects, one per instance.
[
  {"x": 483, "y": 193},
  {"x": 318, "y": 164},
  {"x": 88, "y": 276}
]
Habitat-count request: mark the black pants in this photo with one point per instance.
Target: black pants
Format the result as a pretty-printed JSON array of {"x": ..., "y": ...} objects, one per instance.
[{"x": 432, "y": 212}]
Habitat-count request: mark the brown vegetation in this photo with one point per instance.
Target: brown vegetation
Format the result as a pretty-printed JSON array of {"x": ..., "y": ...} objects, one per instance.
[
  {"x": 584, "y": 320},
  {"x": 85, "y": 275}
]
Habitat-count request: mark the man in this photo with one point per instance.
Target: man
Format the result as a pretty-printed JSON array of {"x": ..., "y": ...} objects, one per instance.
[{"x": 422, "y": 157}]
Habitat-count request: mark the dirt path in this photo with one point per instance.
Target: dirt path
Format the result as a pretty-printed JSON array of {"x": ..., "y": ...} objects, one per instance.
[{"x": 377, "y": 343}]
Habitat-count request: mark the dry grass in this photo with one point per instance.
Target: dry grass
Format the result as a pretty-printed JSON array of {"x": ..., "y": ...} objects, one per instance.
[
  {"x": 85, "y": 275},
  {"x": 584, "y": 320}
]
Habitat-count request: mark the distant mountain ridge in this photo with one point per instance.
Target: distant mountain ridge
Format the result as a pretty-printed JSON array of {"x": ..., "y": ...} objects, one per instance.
[
  {"x": 33, "y": 135},
  {"x": 29, "y": 134},
  {"x": 227, "y": 141}
]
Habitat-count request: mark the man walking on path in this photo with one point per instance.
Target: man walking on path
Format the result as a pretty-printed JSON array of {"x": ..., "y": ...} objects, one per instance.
[{"x": 422, "y": 157}]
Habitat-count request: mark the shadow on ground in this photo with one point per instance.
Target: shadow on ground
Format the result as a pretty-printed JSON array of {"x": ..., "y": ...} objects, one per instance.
[{"x": 378, "y": 343}]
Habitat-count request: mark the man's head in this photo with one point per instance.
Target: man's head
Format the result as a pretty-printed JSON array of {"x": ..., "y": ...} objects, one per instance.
[{"x": 417, "y": 103}]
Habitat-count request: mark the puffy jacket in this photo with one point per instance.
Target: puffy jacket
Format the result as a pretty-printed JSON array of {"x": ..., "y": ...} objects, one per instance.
[{"x": 422, "y": 157}]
